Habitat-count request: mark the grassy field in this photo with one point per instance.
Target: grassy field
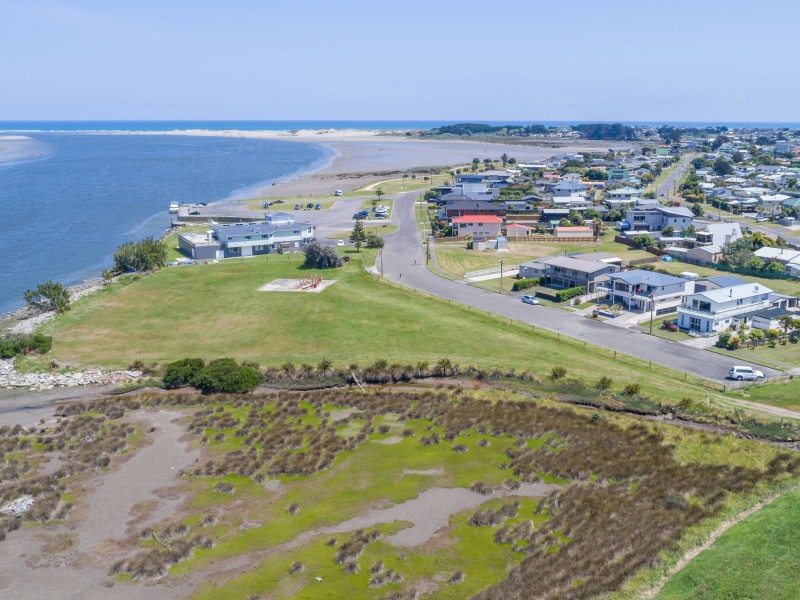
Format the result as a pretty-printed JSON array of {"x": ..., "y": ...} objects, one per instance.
[
  {"x": 757, "y": 558},
  {"x": 785, "y": 394},
  {"x": 376, "y": 229},
  {"x": 456, "y": 259},
  {"x": 215, "y": 310}
]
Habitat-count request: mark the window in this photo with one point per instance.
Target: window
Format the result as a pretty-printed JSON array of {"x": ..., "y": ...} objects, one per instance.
[{"x": 248, "y": 237}]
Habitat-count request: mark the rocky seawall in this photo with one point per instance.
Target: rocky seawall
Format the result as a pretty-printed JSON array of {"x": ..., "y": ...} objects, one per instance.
[{"x": 12, "y": 379}]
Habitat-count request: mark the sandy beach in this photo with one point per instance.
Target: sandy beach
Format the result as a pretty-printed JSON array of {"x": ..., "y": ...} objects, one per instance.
[
  {"x": 15, "y": 148},
  {"x": 363, "y": 156}
]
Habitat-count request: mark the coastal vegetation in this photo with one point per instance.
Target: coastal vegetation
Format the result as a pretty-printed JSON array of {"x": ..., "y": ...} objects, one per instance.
[
  {"x": 592, "y": 131},
  {"x": 141, "y": 256},
  {"x": 12, "y": 345},
  {"x": 290, "y": 481},
  {"x": 48, "y": 296}
]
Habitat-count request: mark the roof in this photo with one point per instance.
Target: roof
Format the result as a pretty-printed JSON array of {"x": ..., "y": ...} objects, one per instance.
[
  {"x": 570, "y": 185},
  {"x": 475, "y": 205},
  {"x": 261, "y": 228},
  {"x": 517, "y": 226},
  {"x": 772, "y": 313},
  {"x": 477, "y": 219},
  {"x": 576, "y": 264},
  {"x": 597, "y": 256},
  {"x": 574, "y": 229},
  {"x": 779, "y": 254},
  {"x": 641, "y": 276},
  {"x": 724, "y": 280},
  {"x": 735, "y": 292},
  {"x": 710, "y": 249},
  {"x": 676, "y": 211}
]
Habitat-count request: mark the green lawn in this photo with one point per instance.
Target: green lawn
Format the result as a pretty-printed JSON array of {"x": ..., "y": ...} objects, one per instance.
[
  {"x": 216, "y": 310},
  {"x": 669, "y": 335},
  {"x": 780, "y": 357},
  {"x": 376, "y": 229},
  {"x": 758, "y": 558},
  {"x": 785, "y": 394}
]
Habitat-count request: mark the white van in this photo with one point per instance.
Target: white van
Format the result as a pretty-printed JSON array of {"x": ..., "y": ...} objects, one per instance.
[
  {"x": 741, "y": 373},
  {"x": 338, "y": 193}
]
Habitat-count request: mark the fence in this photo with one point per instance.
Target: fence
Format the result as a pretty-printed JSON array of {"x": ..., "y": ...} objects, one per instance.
[
  {"x": 523, "y": 238},
  {"x": 218, "y": 218},
  {"x": 491, "y": 271},
  {"x": 642, "y": 261}
]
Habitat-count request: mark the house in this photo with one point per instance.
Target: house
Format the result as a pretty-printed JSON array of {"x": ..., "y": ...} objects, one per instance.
[
  {"x": 477, "y": 225},
  {"x": 279, "y": 218},
  {"x": 251, "y": 239},
  {"x": 712, "y": 311},
  {"x": 703, "y": 255},
  {"x": 718, "y": 234},
  {"x": 656, "y": 218},
  {"x": 199, "y": 246},
  {"x": 785, "y": 256},
  {"x": 571, "y": 271},
  {"x": 618, "y": 174},
  {"x": 768, "y": 318},
  {"x": 472, "y": 207},
  {"x": 645, "y": 291},
  {"x": 573, "y": 232},
  {"x": 569, "y": 189}
]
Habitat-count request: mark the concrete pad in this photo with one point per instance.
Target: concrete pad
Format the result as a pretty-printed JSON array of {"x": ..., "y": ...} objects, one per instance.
[{"x": 293, "y": 285}]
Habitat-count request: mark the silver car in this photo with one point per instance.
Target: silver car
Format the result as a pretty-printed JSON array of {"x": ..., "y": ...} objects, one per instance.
[{"x": 742, "y": 373}]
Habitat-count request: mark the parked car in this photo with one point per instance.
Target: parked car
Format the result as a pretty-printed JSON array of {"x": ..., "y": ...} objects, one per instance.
[
  {"x": 277, "y": 201},
  {"x": 194, "y": 213},
  {"x": 530, "y": 299},
  {"x": 340, "y": 242},
  {"x": 337, "y": 193},
  {"x": 760, "y": 219},
  {"x": 741, "y": 373},
  {"x": 309, "y": 206},
  {"x": 359, "y": 216},
  {"x": 266, "y": 204},
  {"x": 297, "y": 207},
  {"x": 318, "y": 206}
]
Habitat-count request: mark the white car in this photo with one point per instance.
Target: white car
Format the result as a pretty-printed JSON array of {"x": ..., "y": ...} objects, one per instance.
[
  {"x": 340, "y": 242},
  {"x": 530, "y": 299},
  {"x": 741, "y": 373}
]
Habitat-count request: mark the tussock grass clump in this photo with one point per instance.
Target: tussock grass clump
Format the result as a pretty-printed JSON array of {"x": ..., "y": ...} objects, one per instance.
[
  {"x": 293, "y": 509},
  {"x": 297, "y": 567},
  {"x": 224, "y": 487},
  {"x": 456, "y": 578}
]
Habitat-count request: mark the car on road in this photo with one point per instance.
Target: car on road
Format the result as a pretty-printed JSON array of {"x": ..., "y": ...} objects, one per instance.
[
  {"x": 530, "y": 299},
  {"x": 340, "y": 242},
  {"x": 742, "y": 373},
  {"x": 761, "y": 219}
]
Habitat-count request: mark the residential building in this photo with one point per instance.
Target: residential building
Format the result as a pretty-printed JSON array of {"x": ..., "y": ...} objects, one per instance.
[
  {"x": 712, "y": 311},
  {"x": 245, "y": 239},
  {"x": 477, "y": 225},
  {"x": 618, "y": 174},
  {"x": 656, "y": 218},
  {"x": 703, "y": 255},
  {"x": 646, "y": 291},
  {"x": 768, "y": 318},
  {"x": 571, "y": 271},
  {"x": 471, "y": 207}
]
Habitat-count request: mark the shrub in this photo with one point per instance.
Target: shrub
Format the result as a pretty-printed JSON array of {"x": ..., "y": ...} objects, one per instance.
[
  {"x": 48, "y": 296},
  {"x": 723, "y": 339},
  {"x": 225, "y": 375},
  {"x": 145, "y": 255},
  {"x": 25, "y": 344},
  {"x": 603, "y": 384},
  {"x": 321, "y": 257},
  {"x": 733, "y": 343},
  {"x": 557, "y": 373},
  {"x": 524, "y": 284},
  {"x": 562, "y": 295},
  {"x": 374, "y": 241},
  {"x": 632, "y": 389},
  {"x": 183, "y": 372}
]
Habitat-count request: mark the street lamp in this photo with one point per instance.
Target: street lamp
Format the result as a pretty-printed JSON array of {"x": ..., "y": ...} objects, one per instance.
[
  {"x": 501, "y": 277},
  {"x": 652, "y": 308}
]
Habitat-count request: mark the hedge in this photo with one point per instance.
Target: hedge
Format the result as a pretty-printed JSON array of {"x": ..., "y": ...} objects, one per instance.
[
  {"x": 525, "y": 283},
  {"x": 562, "y": 295}
]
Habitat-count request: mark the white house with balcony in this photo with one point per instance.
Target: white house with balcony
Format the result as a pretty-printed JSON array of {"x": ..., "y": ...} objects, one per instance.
[
  {"x": 711, "y": 311},
  {"x": 645, "y": 291}
]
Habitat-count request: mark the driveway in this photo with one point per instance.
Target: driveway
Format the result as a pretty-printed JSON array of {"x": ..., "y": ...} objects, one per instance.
[{"x": 404, "y": 262}]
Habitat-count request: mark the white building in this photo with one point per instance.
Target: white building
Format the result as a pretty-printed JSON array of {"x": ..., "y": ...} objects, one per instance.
[{"x": 712, "y": 311}]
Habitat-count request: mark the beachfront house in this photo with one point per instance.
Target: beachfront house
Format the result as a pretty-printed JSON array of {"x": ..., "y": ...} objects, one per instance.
[
  {"x": 246, "y": 239},
  {"x": 712, "y": 311}
]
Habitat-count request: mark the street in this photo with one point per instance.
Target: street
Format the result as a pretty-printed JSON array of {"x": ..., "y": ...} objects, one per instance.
[{"x": 404, "y": 262}]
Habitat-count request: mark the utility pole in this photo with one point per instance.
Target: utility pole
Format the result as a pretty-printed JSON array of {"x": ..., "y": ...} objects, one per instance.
[
  {"x": 501, "y": 277},
  {"x": 652, "y": 308}
]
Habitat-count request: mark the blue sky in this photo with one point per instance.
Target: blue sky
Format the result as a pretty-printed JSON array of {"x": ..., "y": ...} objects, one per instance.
[{"x": 436, "y": 59}]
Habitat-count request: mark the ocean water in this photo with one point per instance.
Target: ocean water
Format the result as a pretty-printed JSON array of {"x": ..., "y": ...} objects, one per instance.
[{"x": 63, "y": 213}]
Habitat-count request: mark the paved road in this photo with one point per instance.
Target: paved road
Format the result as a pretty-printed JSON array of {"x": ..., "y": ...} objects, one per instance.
[
  {"x": 665, "y": 189},
  {"x": 404, "y": 262}
]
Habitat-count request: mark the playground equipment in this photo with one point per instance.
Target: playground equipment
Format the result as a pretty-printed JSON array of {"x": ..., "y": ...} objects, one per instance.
[{"x": 309, "y": 282}]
